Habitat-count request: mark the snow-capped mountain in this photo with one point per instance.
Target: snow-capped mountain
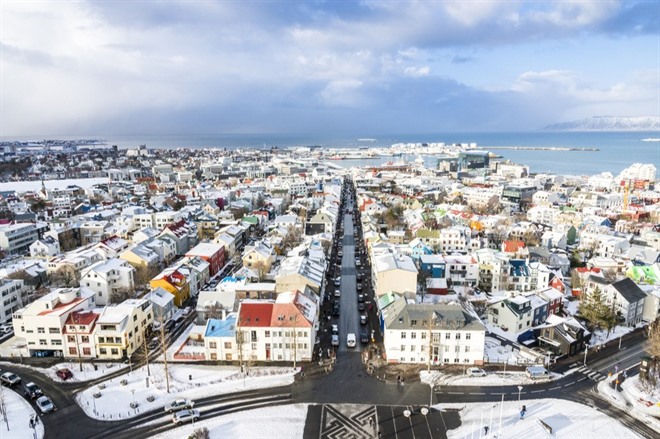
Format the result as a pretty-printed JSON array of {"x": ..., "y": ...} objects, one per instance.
[{"x": 609, "y": 123}]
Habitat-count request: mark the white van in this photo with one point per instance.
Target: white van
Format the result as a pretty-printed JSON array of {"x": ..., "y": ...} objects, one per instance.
[
  {"x": 537, "y": 372},
  {"x": 350, "y": 340}
]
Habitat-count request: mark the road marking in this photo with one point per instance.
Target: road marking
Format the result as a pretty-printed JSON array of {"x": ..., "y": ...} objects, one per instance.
[
  {"x": 537, "y": 391},
  {"x": 582, "y": 379},
  {"x": 569, "y": 384},
  {"x": 456, "y": 393},
  {"x": 554, "y": 388},
  {"x": 476, "y": 393}
]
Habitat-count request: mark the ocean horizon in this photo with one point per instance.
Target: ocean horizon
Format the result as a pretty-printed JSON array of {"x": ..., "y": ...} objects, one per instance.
[{"x": 616, "y": 150}]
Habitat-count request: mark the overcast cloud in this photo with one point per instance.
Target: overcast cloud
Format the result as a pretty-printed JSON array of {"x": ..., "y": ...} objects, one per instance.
[{"x": 350, "y": 68}]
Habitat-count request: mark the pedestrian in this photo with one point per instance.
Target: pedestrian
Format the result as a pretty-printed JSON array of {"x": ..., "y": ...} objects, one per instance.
[
  {"x": 36, "y": 419},
  {"x": 486, "y": 430},
  {"x": 398, "y": 379},
  {"x": 371, "y": 421},
  {"x": 522, "y": 414},
  {"x": 403, "y": 382},
  {"x": 524, "y": 408},
  {"x": 31, "y": 423}
]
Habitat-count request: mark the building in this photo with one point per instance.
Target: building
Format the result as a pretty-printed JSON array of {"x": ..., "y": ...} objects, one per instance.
[
  {"x": 41, "y": 323},
  {"x": 16, "y": 238},
  {"x": 392, "y": 272},
  {"x": 162, "y": 304},
  {"x": 107, "y": 278},
  {"x": 627, "y": 298},
  {"x": 280, "y": 330},
  {"x": 298, "y": 272},
  {"x": 563, "y": 336},
  {"x": 436, "y": 333},
  {"x": 11, "y": 291},
  {"x": 214, "y": 254},
  {"x": 175, "y": 283},
  {"x": 220, "y": 339},
  {"x": 511, "y": 314},
  {"x": 45, "y": 248},
  {"x": 121, "y": 329},
  {"x": 79, "y": 334}
]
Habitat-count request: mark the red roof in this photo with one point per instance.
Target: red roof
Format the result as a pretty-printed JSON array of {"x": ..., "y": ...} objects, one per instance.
[
  {"x": 513, "y": 246},
  {"x": 588, "y": 270},
  {"x": 81, "y": 318},
  {"x": 254, "y": 314}
]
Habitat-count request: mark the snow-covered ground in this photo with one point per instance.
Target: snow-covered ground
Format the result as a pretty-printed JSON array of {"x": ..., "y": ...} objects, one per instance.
[
  {"x": 640, "y": 403},
  {"x": 600, "y": 336},
  {"x": 285, "y": 422},
  {"x": 19, "y": 412},
  {"x": 186, "y": 381},
  {"x": 567, "y": 419},
  {"x": 88, "y": 373},
  {"x": 35, "y": 185},
  {"x": 491, "y": 379}
]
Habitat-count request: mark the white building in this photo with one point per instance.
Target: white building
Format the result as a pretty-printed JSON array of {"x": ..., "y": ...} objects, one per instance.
[
  {"x": 41, "y": 322},
  {"x": 436, "y": 333},
  {"x": 393, "y": 273},
  {"x": 16, "y": 238},
  {"x": 11, "y": 291},
  {"x": 106, "y": 278},
  {"x": 120, "y": 329},
  {"x": 45, "y": 248}
]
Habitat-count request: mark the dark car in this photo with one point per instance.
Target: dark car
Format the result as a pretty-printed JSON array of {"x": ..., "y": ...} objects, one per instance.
[
  {"x": 360, "y": 298},
  {"x": 32, "y": 391},
  {"x": 364, "y": 338},
  {"x": 335, "y": 310},
  {"x": 360, "y": 306},
  {"x": 170, "y": 325},
  {"x": 64, "y": 374}
]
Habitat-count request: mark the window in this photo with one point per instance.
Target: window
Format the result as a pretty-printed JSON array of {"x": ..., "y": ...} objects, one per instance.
[
  {"x": 413, "y": 323},
  {"x": 42, "y": 342},
  {"x": 114, "y": 351},
  {"x": 467, "y": 348},
  {"x": 457, "y": 348},
  {"x": 412, "y": 348},
  {"x": 253, "y": 335},
  {"x": 103, "y": 351},
  {"x": 468, "y": 336},
  {"x": 458, "y": 336},
  {"x": 87, "y": 351},
  {"x": 72, "y": 351},
  {"x": 41, "y": 330},
  {"x": 253, "y": 346},
  {"x": 403, "y": 334},
  {"x": 71, "y": 339},
  {"x": 423, "y": 335},
  {"x": 447, "y": 336},
  {"x": 85, "y": 339},
  {"x": 403, "y": 348},
  {"x": 267, "y": 334},
  {"x": 227, "y": 345},
  {"x": 213, "y": 345},
  {"x": 228, "y": 357},
  {"x": 413, "y": 335}
]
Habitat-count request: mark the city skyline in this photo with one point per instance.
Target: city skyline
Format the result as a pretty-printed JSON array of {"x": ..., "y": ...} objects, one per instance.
[{"x": 77, "y": 68}]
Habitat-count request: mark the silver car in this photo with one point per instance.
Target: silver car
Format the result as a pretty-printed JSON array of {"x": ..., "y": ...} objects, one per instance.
[
  {"x": 185, "y": 416},
  {"x": 45, "y": 404}
]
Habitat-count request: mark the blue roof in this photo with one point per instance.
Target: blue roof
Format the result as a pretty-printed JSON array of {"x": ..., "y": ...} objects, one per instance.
[
  {"x": 229, "y": 279},
  {"x": 221, "y": 328}
]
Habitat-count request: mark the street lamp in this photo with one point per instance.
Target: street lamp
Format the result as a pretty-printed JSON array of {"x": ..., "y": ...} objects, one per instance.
[
  {"x": 519, "y": 390},
  {"x": 586, "y": 348}
]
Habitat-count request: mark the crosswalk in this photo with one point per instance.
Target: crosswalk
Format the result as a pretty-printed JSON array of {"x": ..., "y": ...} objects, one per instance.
[{"x": 591, "y": 374}]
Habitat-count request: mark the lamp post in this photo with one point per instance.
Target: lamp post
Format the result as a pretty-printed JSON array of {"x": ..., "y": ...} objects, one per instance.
[
  {"x": 586, "y": 348},
  {"x": 519, "y": 390},
  {"x": 431, "y": 396}
]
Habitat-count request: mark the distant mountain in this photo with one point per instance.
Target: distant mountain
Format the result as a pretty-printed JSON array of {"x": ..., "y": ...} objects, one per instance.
[{"x": 609, "y": 123}]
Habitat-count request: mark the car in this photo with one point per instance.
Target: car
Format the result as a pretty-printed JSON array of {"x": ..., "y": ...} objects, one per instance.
[
  {"x": 45, "y": 404},
  {"x": 64, "y": 374},
  {"x": 185, "y": 416},
  {"x": 335, "y": 310},
  {"x": 337, "y": 282},
  {"x": 475, "y": 372},
  {"x": 32, "y": 390},
  {"x": 179, "y": 404},
  {"x": 340, "y": 253},
  {"x": 335, "y": 340},
  {"x": 357, "y": 262},
  {"x": 360, "y": 306},
  {"x": 363, "y": 319},
  {"x": 337, "y": 293},
  {"x": 364, "y": 338},
  {"x": 360, "y": 298},
  {"x": 169, "y": 325},
  {"x": 10, "y": 378},
  {"x": 6, "y": 329},
  {"x": 153, "y": 343},
  {"x": 187, "y": 310},
  {"x": 350, "y": 340},
  {"x": 359, "y": 286},
  {"x": 335, "y": 329}
]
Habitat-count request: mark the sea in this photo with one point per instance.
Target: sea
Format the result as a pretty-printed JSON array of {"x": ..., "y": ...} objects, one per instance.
[{"x": 616, "y": 150}]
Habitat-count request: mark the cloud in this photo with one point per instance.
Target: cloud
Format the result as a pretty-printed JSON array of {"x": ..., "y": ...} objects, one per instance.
[{"x": 80, "y": 67}]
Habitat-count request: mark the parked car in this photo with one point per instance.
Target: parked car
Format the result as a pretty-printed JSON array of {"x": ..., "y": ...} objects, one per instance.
[
  {"x": 337, "y": 293},
  {"x": 335, "y": 340},
  {"x": 170, "y": 325},
  {"x": 10, "y": 378},
  {"x": 360, "y": 298},
  {"x": 476, "y": 372},
  {"x": 337, "y": 282},
  {"x": 185, "y": 416},
  {"x": 364, "y": 338},
  {"x": 32, "y": 390},
  {"x": 64, "y": 374},
  {"x": 179, "y": 404},
  {"x": 45, "y": 404},
  {"x": 153, "y": 343},
  {"x": 6, "y": 329},
  {"x": 335, "y": 330},
  {"x": 359, "y": 285},
  {"x": 363, "y": 319},
  {"x": 360, "y": 306},
  {"x": 350, "y": 340}
]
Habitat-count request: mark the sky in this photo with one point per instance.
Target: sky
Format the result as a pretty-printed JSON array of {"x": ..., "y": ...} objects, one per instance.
[{"x": 358, "y": 68}]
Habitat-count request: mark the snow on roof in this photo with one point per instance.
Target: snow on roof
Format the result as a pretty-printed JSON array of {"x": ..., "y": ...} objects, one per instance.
[
  {"x": 390, "y": 261},
  {"x": 221, "y": 328},
  {"x": 205, "y": 249}
]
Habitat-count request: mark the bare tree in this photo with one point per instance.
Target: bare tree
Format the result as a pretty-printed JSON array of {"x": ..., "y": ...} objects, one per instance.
[
  {"x": 653, "y": 341},
  {"x": 121, "y": 294},
  {"x": 144, "y": 273},
  {"x": 292, "y": 237},
  {"x": 261, "y": 268},
  {"x": 65, "y": 275},
  {"x": 213, "y": 311},
  {"x": 200, "y": 433}
]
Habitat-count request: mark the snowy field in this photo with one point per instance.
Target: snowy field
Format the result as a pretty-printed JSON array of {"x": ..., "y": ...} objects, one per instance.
[
  {"x": 600, "y": 336},
  {"x": 567, "y": 419},
  {"x": 282, "y": 422},
  {"x": 491, "y": 379},
  {"x": 19, "y": 412},
  {"x": 186, "y": 381},
  {"x": 640, "y": 403},
  {"x": 35, "y": 185}
]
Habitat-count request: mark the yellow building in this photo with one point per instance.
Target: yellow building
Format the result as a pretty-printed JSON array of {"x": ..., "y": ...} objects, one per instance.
[{"x": 175, "y": 283}]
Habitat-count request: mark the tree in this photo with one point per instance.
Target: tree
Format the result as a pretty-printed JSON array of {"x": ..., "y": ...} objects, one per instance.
[
  {"x": 121, "y": 294},
  {"x": 200, "y": 433},
  {"x": 261, "y": 268},
  {"x": 292, "y": 237},
  {"x": 144, "y": 273},
  {"x": 653, "y": 340},
  {"x": 65, "y": 275},
  {"x": 213, "y": 311},
  {"x": 597, "y": 312}
]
